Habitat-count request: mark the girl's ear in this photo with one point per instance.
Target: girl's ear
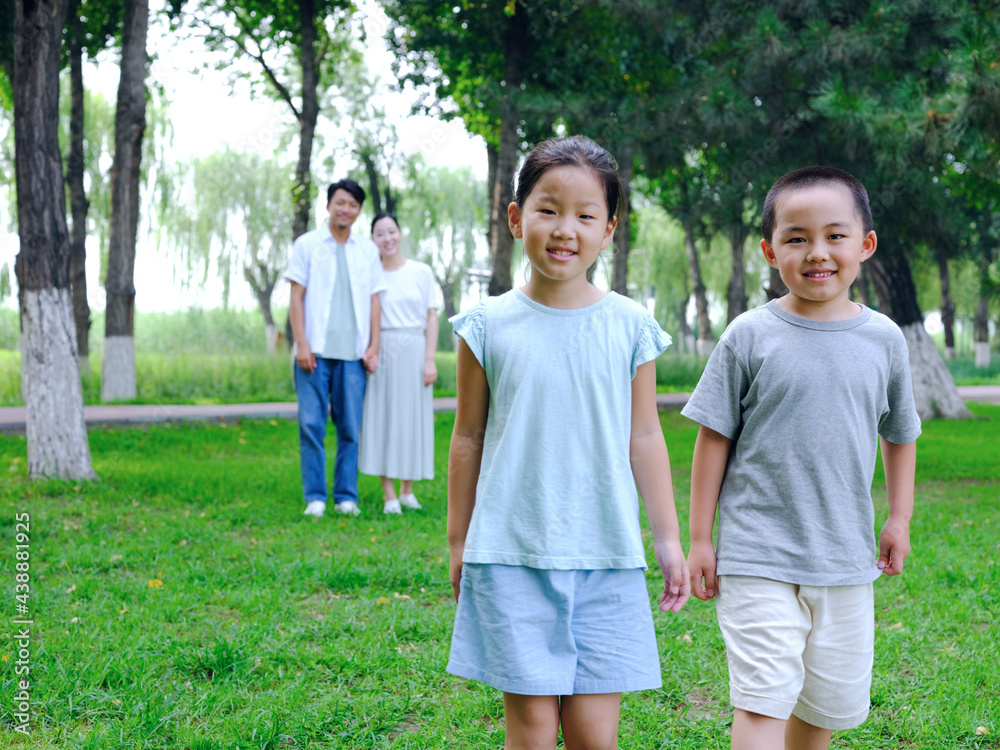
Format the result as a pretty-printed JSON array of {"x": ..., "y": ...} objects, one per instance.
[
  {"x": 514, "y": 220},
  {"x": 609, "y": 233},
  {"x": 768, "y": 251}
]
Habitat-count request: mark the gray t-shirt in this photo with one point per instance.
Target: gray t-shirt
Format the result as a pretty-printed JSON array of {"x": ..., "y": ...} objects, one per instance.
[
  {"x": 804, "y": 402},
  {"x": 342, "y": 329},
  {"x": 555, "y": 484}
]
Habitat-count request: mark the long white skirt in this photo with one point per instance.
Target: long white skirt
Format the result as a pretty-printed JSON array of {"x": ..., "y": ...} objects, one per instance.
[{"x": 397, "y": 426}]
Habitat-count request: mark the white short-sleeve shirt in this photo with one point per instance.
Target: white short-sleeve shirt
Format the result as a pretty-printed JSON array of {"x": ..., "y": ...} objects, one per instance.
[
  {"x": 314, "y": 266},
  {"x": 410, "y": 291}
]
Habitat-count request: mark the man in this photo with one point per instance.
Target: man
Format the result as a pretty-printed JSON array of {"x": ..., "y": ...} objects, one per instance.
[{"x": 336, "y": 277}]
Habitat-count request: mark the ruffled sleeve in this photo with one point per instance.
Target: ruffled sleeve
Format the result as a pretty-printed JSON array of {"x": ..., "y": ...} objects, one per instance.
[
  {"x": 471, "y": 326},
  {"x": 651, "y": 342}
]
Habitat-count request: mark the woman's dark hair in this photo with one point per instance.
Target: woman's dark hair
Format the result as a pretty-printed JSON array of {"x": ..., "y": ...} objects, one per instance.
[
  {"x": 383, "y": 215},
  {"x": 574, "y": 151},
  {"x": 356, "y": 191},
  {"x": 808, "y": 177}
]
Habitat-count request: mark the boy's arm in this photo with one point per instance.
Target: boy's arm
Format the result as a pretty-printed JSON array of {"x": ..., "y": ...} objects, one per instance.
[
  {"x": 651, "y": 470},
  {"x": 708, "y": 466},
  {"x": 899, "y": 461},
  {"x": 297, "y": 320},
  {"x": 465, "y": 454}
]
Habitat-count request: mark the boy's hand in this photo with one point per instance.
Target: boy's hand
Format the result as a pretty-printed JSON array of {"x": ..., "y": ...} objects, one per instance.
[
  {"x": 701, "y": 562},
  {"x": 676, "y": 586},
  {"x": 893, "y": 546}
]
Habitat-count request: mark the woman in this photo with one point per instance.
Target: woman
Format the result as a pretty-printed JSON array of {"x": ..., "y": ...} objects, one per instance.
[{"x": 397, "y": 426}]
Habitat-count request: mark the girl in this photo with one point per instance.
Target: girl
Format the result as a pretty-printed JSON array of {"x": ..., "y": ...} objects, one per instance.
[
  {"x": 556, "y": 425},
  {"x": 397, "y": 426}
]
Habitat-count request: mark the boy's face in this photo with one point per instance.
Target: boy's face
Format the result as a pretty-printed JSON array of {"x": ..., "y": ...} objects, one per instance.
[{"x": 818, "y": 246}]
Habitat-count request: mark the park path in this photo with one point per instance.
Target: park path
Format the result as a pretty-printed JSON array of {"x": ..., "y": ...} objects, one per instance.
[{"x": 12, "y": 419}]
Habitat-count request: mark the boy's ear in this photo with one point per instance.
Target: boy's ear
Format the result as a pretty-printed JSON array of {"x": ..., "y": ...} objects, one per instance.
[
  {"x": 609, "y": 233},
  {"x": 869, "y": 245},
  {"x": 514, "y": 220},
  {"x": 768, "y": 251}
]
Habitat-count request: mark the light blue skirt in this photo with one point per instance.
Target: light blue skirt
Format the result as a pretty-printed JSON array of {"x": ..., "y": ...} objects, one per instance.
[{"x": 397, "y": 425}]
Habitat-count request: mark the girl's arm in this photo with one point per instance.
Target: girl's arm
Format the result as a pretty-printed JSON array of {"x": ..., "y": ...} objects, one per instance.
[
  {"x": 651, "y": 469},
  {"x": 711, "y": 452},
  {"x": 466, "y": 454},
  {"x": 900, "y": 462},
  {"x": 431, "y": 334}
]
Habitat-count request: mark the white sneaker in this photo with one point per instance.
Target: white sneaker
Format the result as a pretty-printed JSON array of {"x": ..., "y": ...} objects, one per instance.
[
  {"x": 348, "y": 508},
  {"x": 409, "y": 501},
  {"x": 392, "y": 507},
  {"x": 316, "y": 508}
]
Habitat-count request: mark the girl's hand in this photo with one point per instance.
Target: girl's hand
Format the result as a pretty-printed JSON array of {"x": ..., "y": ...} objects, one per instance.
[
  {"x": 455, "y": 570},
  {"x": 676, "y": 583},
  {"x": 702, "y": 561}
]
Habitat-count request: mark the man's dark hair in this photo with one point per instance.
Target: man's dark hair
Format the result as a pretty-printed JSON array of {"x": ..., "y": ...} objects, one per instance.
[
  {"x": 350, "y": 186},
  {"x": 808, "y": 177}
]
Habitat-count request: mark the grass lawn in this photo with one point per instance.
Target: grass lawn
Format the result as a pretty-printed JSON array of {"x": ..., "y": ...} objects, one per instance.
[{"x": 184, "y": 601}]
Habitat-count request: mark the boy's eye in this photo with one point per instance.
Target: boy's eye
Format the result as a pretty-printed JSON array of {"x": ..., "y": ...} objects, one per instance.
[
  {"x": 586, "y": 216},
  {"x": 795, "y": 240},
  {"x": 836, "y": 237}
]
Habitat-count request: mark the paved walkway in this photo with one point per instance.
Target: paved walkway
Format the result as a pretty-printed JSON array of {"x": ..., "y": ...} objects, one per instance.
[{"x": 12, "y": 419}]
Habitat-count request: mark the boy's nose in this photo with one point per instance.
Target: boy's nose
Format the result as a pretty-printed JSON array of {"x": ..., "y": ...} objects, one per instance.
[{"x": 818, "y": 251}]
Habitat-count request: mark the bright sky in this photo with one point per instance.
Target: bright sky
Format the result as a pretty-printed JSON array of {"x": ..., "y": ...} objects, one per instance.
[{"x": 206, "y": 115}]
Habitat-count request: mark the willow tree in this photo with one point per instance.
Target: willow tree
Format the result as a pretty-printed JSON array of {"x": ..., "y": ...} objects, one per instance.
[{"x": 50, "y": 380}]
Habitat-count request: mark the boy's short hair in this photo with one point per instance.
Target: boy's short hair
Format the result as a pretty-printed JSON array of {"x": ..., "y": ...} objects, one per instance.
[
  {"x": 356, "y": 191},
  {"x": 808, "y": 177}
]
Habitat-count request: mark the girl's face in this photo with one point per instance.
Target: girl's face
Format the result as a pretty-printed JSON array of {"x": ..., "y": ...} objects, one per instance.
[
  {"x": 564, "y": 224},
  {"x": 387, "y": 236}
]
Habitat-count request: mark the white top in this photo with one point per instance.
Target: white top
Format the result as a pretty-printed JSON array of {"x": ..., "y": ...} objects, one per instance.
[
  {"x": 804, "y": 402},
  {"x": 314, "y": 266},
  {"x": 410, "y": 291},
  {"x": 555, "y": 486}
]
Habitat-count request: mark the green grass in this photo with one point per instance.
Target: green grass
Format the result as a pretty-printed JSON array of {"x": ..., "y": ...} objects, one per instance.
[{"x": 274, "y": 630}]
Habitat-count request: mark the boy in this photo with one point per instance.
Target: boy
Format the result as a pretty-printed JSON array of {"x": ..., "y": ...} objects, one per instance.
[{"x": 790, "y": 406}]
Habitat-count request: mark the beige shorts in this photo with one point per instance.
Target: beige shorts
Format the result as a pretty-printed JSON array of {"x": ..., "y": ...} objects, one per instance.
[{"x": 805, "y": 650}]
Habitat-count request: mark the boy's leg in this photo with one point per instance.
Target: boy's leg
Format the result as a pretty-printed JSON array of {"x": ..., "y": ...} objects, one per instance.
[
  {"x": 802, "y": 736},
  {"x": 590, "y": 722},
  {"x": 532, "y": 721},
  {"x": 757, "y": 732},
  {"x": 347, "y": 394},
  {"x": 312, "y": 390}
]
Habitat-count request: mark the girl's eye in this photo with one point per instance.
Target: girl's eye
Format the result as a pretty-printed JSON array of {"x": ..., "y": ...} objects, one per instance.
[{"x": 586, "y": 216}]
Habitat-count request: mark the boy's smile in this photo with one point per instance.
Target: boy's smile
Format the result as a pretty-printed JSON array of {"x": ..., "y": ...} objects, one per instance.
[{"x": 818, "y": 246}]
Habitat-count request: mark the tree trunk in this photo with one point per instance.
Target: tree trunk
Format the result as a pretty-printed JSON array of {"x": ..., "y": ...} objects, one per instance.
[
  {"x": 619, "y": 263},
  {"x": 118, "y": 373},
  {"x": 686, "y": 343},
  {"x": 79, "y": 205},
  {"x": 263, "y": 289},
  {"x": 934, "y": 389},
  {"x": 372, "y": 171},
  {"x": 50, "y": 380},
  {"x": 705, "y": 343},
  {"x": 501, "y": 241},
  {"x": 862, "y": 288},
  {"x": 736, "y": 293},
  {"x": 981, "y": 328},
  {"x": 947, "y": 307},
  {"x": 302, "y": 191}
]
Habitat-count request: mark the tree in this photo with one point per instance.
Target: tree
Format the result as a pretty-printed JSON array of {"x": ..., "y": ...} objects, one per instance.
[
  {"x": 443, "y": 212},
  {"x": 118, "y": 372},
  {"x": 265, "y": 32},
  {"x": 57, "y": 435},
  {"x": 237, "y": 218}
]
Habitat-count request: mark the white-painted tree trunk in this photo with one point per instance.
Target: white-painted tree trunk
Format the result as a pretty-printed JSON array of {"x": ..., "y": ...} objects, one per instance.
[
  {"x": 982, "y": 354},
  {"x": 949, "y": 352},
  {"x": 271, "y": 338},
  {"x": 934, "y": 389},
  {"x": 50, "y": 383},
  {"x": 688, "y": 344},
  {"x": 705, "y": 347},
  {"x": 83, "y": 365},
  {"x": 118, "y": 373}
]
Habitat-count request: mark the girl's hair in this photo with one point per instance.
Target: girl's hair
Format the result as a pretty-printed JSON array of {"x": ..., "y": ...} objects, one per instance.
[
  {"x": 808, "y": 177},
  {"x": 383, "y": 215},
  {"x": 574, "y": 151}
]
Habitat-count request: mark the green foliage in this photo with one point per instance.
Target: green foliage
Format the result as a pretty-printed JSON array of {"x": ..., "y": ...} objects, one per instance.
[{"x": 185, "y": 601}]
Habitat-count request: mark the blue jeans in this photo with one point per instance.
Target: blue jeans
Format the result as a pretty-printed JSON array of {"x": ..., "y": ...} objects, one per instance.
[{"x": 336, "y": 388}]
